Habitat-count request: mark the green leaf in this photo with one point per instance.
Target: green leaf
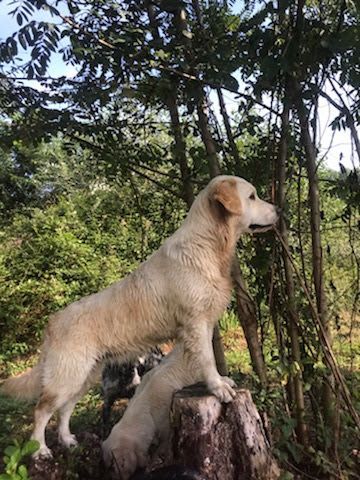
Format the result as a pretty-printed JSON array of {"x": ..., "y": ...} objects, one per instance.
[
  {"x": 295, "y": 452},
  {"x": 307, "y": 94},
  {"x": 6, "y": 476},
  {"x": 286, "y": 476},
  {"x": 28, "y": 38},
  {"x": 19, "y": 19},
  {"x": 162, "y": 54},
  {"x": 22, "y": 41},
  {"x": 15, "y": 457},
  {"x": 39, "y": 68},
  {"x": 307, "y": 387},
  {"x": 231, "y": 82},
  {"x": 22, "y": 470},
  {"x": 171, "y": 6},
  {"x": 30, "y": 72},
  {"x": 10, "y": 450},
  {"x": 30, "y": 447},
  {"x": 12, "y": 47}
]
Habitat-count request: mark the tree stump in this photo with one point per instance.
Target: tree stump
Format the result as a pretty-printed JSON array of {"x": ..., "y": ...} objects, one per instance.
[{"x": 220, "y": 441}]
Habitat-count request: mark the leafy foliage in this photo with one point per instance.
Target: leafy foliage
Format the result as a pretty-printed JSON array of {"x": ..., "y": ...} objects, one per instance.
[{"x": 14, "y": 455}]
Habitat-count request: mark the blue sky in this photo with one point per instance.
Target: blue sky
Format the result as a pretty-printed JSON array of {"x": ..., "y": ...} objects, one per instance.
[{"x": 332, "y": 146}]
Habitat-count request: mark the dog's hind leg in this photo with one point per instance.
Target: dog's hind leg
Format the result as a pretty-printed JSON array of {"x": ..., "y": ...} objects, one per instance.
[
  {"x": 63, "y": 385},
  {"x": 43, "y": 412},
  {"x": 65, "y": 411},
  {"x": 65, "y": 436}
]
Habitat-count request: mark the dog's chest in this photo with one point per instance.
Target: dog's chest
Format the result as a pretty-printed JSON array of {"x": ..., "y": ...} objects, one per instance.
[
  {"x": 202, "y": 296},
  {"x": 220, "y": 295}
]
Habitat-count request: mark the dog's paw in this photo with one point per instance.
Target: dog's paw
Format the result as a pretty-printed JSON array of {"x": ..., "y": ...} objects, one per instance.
[
  {"x": 43, "y": 453},
  {"x": 124, "y": 457},
  {"x": 125, "y": 462},
  {"x": 68, "y": 440},
  {"x": 222, "y": 390},
  {"x": 229, "y": 381}
]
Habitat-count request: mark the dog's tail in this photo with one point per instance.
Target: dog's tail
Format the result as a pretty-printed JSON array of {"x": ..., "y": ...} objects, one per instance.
[{"x": 25, "y": 386}]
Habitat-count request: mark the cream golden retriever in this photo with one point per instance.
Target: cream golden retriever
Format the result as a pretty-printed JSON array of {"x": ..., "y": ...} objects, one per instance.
[{"x": 179, "y": 292}]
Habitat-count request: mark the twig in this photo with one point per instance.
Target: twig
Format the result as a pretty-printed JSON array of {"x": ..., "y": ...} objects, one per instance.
[
  {"x": 301, "y": 245},
  {"x": 214, "y": 85},
  {"x": 141, "y": 213},
  {"x": 328, "y": 353},
  {"x": 127, "y": 166}
]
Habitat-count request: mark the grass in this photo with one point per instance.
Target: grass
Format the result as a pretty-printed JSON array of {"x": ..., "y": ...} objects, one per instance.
[
  {"x": 347, "y": 342},
  {"x": 15, "y": 420},
  {"x": 16, "y": 417},
  {"x": 237, "y": 354}
]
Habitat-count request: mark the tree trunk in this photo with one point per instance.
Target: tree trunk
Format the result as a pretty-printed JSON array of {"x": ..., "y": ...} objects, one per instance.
[
  {"x": 354, "y": 132},
  {"x": 171, "y": 102},
  {"x": 246, "y": 311},
  {"x": 220, "y": 441},
  {"x": 245, "y": 305},
  {"x": 297, "y": 384},
  {"x": 180, "y": 149},
  {"x": 317, "y": 252},
  {"x": 230, "y": 138},
  {"x": 201, "y": 104},
  {"x": 210, "y": 147}
]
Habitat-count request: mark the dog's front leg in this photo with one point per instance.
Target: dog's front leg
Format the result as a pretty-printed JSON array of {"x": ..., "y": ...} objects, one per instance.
[{"x": 199, "y": 353}]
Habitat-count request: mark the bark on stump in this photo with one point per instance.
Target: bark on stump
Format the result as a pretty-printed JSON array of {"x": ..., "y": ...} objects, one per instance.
[{"x": 221, "y": 441}]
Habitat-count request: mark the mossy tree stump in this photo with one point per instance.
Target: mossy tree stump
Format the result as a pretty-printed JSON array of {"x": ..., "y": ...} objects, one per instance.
[{"x": 220, "y": 441}]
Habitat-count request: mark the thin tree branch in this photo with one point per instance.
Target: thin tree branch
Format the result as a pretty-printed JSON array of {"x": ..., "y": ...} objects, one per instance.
[
  {"x": 127, "y": 166},
  {"x": 328, "y": 352},
  {"x": 215, "y": 86}
]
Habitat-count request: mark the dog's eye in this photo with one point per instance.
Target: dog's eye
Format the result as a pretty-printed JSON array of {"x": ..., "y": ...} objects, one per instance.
[{"x": 252, "y": 196}]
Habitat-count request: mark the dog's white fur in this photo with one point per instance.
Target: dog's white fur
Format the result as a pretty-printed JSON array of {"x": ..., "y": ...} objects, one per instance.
[
  {"x": 179, "y": 292},
  {"x": 146, "y": 420}
]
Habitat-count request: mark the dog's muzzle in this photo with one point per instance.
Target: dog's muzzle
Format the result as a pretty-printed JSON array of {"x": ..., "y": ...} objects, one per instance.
[{"x": 260, "y": 228}]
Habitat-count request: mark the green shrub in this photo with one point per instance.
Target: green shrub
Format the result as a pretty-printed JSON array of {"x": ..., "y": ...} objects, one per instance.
[{"x": 14, "y": 455}]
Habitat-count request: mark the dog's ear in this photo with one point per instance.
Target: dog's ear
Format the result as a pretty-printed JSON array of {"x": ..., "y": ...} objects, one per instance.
[{"x": 226, "y": 194}]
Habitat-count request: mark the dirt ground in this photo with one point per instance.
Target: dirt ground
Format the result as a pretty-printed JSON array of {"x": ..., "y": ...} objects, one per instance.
[{"x": 82, "y": 463}]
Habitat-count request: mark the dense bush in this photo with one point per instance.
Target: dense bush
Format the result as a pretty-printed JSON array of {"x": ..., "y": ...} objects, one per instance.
[{"x": 65, "y": 245}]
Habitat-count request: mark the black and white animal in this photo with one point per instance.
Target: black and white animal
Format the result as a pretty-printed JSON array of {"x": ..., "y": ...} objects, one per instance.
[{"x": 119, "y": 380}]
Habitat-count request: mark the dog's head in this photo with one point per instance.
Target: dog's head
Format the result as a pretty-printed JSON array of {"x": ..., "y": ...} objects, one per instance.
[{"x": 235, "y": 198}]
